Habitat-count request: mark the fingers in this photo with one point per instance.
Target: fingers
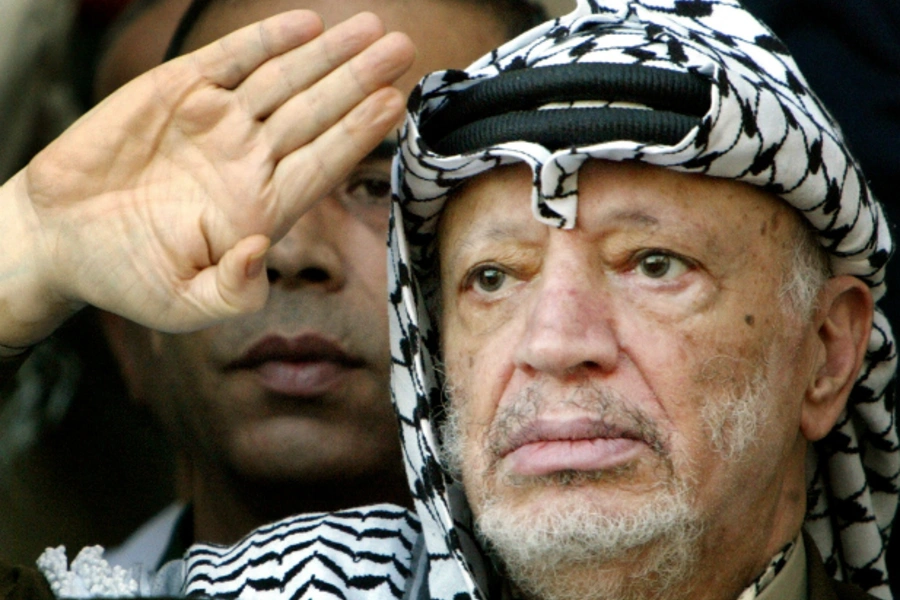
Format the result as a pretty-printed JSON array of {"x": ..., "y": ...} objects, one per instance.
[
  {"x": 278, "y": 80},
  {"x": 311, "y": 113},
  {"x": 228, "y": 61},
  {"x": 237, "y": 284},
  {"x": 306, "y": 174}
]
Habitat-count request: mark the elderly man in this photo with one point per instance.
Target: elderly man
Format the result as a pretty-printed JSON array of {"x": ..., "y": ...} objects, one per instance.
[
  {"x": 641, "y": 253},
  {"x": 633, "y": 274}
]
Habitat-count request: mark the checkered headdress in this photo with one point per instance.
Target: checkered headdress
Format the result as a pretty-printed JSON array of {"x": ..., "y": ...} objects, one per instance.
[{"x": 698, "y": 86}]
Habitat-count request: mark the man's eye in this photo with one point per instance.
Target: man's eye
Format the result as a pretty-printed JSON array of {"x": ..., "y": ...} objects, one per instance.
[
  {"x": 369, "y": 190},
  {"x": 488, "y": 279},
  {"x": 659, "y": 265}
]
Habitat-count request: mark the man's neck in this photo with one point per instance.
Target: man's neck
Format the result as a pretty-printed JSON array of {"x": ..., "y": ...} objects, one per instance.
[
  {"x": 717, "y": 565},
  {"x": 227, "y": 508},
  {"x": 784, "y": 578}
]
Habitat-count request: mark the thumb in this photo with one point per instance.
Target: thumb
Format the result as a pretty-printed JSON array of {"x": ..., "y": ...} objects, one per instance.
[{"x": 238, "y": 283}]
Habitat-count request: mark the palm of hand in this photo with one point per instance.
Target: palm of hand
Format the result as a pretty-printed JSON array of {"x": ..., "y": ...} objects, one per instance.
[{"x": 160, "y": 203}]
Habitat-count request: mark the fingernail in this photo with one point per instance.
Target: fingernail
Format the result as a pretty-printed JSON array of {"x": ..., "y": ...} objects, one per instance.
[{"x": 256, "y": 265}]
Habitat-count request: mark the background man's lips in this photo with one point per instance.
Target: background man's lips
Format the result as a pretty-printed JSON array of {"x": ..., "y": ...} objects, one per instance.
[
  {"x": 301, "y": 379},
  {"x": 301, "y": 349},
  {"x": 554, "y": 456},
  {"x": 304, "y": 366}
]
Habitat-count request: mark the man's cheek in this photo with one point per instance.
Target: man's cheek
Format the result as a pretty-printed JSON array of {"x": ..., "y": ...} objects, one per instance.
[
  {"x": 467, "y": 376},
  {"x": 702, "y": 353}
]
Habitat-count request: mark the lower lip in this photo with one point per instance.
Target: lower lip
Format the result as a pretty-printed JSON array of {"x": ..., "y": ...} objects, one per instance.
[
  {"x": 546, "y": 458},
  {"x": 312, "y": 378}
]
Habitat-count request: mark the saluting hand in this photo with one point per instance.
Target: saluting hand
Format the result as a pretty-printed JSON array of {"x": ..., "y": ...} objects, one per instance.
[{"x": 159, "y": 204}]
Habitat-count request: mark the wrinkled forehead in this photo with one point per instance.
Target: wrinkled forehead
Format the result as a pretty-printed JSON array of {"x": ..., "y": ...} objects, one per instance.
[
  {"x": 619, "y": 197},
  {"x": 712, "y": 93}
]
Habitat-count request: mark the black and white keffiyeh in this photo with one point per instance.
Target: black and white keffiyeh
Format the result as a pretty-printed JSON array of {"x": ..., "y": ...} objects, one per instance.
[
  {"x": 358, "y": 553},
  {"x": 698, "y": 86},
  {"x": 759, "y": 123}
]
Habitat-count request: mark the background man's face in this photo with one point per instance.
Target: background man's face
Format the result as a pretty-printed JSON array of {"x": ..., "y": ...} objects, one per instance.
[
  {"x": 626, "y": 377},
  {"x": 299, "y": 391}
]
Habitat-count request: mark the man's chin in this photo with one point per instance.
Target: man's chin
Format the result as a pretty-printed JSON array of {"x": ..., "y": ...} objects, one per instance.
[
  {"x": 561, "y": 540},
  {"x": 607, "y": 491}
]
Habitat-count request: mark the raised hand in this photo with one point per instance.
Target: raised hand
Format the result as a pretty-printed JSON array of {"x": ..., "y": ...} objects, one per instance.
[{"x": 160, "y": 204}]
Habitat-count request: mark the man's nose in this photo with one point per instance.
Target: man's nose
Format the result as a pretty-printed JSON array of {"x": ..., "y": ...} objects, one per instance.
[
  {"x": 569, "y": 326},
  {"x": 310, "y": 252}
]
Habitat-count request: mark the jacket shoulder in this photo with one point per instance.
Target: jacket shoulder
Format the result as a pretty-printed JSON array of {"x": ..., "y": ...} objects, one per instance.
[
  {"x": 846, "y": 591},
  {"x": 823, "y": 587}
]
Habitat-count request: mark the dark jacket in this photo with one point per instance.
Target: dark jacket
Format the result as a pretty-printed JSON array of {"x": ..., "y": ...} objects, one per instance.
[{"x": 823, "y": 587}]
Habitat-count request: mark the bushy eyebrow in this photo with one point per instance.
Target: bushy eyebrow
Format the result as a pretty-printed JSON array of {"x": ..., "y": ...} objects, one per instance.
[
  {"x": 490, "y": 232},
  {"x": 634, "y": 217}
]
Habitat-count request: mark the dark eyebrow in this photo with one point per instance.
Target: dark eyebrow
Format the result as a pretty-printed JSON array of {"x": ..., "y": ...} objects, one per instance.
[
  {"x": 383, "y": 151},
  {"x": 498, "y": 232},
  {"x": 493, "y": 232},
  {"x": 634, "y": 216}
]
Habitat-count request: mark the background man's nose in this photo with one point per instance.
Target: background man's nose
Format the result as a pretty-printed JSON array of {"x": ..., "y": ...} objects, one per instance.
[{"x": 310, "y": 252}]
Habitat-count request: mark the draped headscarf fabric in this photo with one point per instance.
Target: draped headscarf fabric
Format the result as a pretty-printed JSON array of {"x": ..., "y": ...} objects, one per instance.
[{"x": 763, "y": 126}]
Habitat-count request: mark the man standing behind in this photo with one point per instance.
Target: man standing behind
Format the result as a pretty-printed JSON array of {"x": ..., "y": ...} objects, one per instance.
[
  {"x": 287, "y": 410},
  {"x": 118, "y": 160}
]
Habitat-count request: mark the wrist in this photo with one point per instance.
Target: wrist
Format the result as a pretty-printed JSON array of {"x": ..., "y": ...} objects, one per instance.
[{"x": 30, "y": 309}]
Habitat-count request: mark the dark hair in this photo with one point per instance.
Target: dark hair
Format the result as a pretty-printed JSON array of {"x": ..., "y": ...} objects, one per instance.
[{"x": 516, "y": 15}]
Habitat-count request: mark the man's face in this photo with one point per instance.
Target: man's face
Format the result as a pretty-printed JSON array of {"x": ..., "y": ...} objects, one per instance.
[
  {"x": 624, "y": 382},
  {"x": 299, "y": 391}
]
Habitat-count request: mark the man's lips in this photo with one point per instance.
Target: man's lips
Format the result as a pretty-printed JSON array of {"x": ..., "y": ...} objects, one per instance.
[
  {"x": 547, "y": 446},
  {"x": 306, "y": 366}
]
